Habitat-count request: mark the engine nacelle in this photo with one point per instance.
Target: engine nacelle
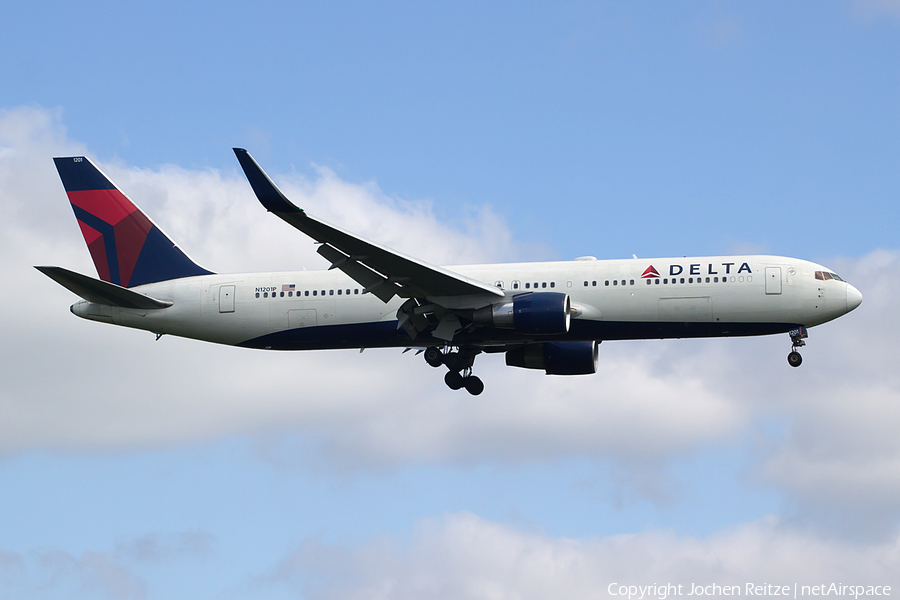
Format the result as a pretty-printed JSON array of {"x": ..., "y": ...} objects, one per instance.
[
  {"x": 531, "y": 313},
  {"x": 556, "y": 358}
]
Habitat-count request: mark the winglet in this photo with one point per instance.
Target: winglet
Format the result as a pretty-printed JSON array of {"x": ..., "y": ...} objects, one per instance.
[
  {"x": 268, "y": 193},
  {"x": 380, "y": 270}
]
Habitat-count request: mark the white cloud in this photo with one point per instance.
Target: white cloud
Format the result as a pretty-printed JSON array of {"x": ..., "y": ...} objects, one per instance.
[
  {"x": 464, "y": 556},
  {"x": 841, "y": 452},
  {"x": 69, "y": 384},
  {"x": 99, "y": 394},
  {"x": 720, "y": 30},
  {"x": 56, "y": 573},
  {"x": 875, "y": 8},
  {"x": 155, "y": 547}
]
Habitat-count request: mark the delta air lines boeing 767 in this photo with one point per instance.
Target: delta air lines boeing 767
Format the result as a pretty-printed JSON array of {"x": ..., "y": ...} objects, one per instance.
[{"x": 542, "y": 315}]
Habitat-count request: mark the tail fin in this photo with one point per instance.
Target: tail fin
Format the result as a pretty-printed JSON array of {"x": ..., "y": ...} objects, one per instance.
[{"x": 127, "y": 247}]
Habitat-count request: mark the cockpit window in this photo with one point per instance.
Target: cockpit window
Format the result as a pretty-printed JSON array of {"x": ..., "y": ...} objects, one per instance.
[{"x": 825, "y": 276}]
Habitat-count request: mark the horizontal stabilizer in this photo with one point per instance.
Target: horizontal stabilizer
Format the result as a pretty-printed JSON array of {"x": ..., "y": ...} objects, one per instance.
[{"x": 101, "y": 292}]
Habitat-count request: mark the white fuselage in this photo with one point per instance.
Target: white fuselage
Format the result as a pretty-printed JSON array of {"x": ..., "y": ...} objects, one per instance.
[{"x": 611, "y": 299}]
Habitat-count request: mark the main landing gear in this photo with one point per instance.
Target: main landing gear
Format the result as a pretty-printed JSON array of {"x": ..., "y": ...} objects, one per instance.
[
  {"x": 798, "y": 336},
  {"x": 459, "y": 368}
]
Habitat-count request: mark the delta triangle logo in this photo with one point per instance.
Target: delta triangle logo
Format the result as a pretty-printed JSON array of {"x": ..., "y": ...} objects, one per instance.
[{"x": 650, "y": 272}]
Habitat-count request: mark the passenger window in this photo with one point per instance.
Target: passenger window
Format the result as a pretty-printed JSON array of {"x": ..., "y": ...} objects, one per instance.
[
  {"x": 553, "y": 284},
  {"x": 515, "y": 284},
  {"x": 265, "y": 294},
  {"x": 498, "y": 284},
  {"x": 527, "y": 286},
  {"x": 606, "y": 283},
  {"x": 544, "y": 285},
  {"x": 631, "y": 282},
  {"x": 657, "y": 282},
  {"x": 339, "y": 292},
  {"x": 331, "y": 292},
  {"x": 615, "y": 282},
  {"x": 594, "y": 283},
  {"x": 315, "y": 292},
  {"x": 356, "y": 291},
  {"x": 682, "y": 280},
  {"x": 306, "y": 293},
  {"x": 585, "y": 284},
  {"x": 665, "y": 280},
  {"x": 257, "y": 294}
]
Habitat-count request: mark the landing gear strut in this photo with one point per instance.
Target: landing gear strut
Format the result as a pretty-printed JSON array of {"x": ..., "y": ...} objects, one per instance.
[
  {"x": 459, "y": 368},
  {"x": 798, "y": 336}
]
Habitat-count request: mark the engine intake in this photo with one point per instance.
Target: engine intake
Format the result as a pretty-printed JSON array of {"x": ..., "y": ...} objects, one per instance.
[
  {"x": 556, "y": 358},
  {"x": 532, "y": 313}
]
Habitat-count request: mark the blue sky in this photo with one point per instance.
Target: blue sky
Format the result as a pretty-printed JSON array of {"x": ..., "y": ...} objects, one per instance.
[{"x": 175, "y": 469}]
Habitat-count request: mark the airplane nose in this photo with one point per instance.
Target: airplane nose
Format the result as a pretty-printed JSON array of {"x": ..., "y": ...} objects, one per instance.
[{"x": 854, "y": 298}]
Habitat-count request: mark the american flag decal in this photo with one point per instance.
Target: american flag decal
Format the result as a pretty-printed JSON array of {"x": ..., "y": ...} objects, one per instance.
[{"x": 287, "y": 287}]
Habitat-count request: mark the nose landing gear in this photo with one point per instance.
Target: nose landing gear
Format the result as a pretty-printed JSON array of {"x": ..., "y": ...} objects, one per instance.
[
  {"x": 798, "y": 335},
  {"x": 459, "y": 368}
]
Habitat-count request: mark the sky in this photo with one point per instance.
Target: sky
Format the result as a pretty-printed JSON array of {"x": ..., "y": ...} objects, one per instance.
[{"x": 468, "y": 132}]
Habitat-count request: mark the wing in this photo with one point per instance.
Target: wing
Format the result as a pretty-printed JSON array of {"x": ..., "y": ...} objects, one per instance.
[{"x": 381, "y": 271}]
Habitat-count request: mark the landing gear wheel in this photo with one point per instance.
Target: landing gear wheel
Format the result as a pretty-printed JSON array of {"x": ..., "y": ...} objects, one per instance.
[
  {"x": 794, "y": 359},
  {"x": 473, "y": 385},
  {"x": 433, "y": 356},
  {"x": 454, "y": 380}
]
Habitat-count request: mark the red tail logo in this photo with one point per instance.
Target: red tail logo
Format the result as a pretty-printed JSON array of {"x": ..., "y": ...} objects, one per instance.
[
  {"x": 650, "y": 272},
  {"x": 127, "y": 248}
]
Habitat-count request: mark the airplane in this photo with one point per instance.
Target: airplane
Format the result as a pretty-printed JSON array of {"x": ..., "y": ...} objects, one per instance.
[{"x": 549, "y": 316}]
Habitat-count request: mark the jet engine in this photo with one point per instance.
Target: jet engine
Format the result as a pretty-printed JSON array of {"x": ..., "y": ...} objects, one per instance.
[
  {"x": 556, "y": 358},
  {"x": 531, "y": 313}
]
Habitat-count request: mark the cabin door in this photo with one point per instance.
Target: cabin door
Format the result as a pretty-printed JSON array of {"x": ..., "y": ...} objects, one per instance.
[
  {"x": 773, "y": 280},
  {"x": 226, "y": 299}
]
